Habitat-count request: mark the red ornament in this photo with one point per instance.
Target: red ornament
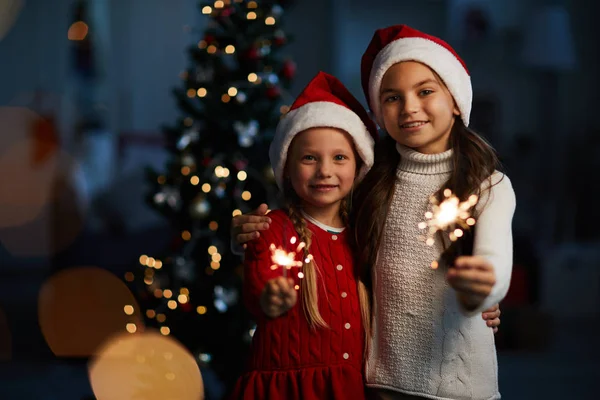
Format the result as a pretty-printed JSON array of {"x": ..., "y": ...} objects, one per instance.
[
  {"x": 280, "y": 38},
  {"x": 240, "y": 164},
  {"x": 227, "y": 12},
  {"x": 289, "y": 69},
  {"x": 176, "y": 242},
  {"x": 251, "y": 53},
  {"x": 273, "y": 92},
  {"x": 186, "y": 307}
]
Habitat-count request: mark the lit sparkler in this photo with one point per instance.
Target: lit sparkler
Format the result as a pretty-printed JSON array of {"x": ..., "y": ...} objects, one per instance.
[
  {"x": 451, "y": 216},
  {"x": 286, "y": 260}
]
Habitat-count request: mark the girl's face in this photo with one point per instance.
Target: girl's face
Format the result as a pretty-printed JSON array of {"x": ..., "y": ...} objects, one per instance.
[
  {"x": 418, "y": 110},
  {"x": 321, "y": 165}
]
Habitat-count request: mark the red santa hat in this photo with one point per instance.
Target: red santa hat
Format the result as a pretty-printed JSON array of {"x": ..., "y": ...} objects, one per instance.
[
  {"x": 399, "y": 43},
  {"x": 324, "y": 102}
]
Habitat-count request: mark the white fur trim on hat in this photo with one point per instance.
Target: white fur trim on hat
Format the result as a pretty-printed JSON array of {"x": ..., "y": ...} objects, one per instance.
[
  {"x": 435, "y": 56},
  {"x": 314, "y": 115}
]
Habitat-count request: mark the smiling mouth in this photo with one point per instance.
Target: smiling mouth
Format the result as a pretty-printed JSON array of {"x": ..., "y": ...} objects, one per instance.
[
  {"x": 323, "y": 187},
  {"x": 415, "y": 124}
]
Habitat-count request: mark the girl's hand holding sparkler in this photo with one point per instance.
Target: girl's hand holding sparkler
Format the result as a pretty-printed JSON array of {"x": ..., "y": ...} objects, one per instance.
[
  {"x": 473, "y": 278},
  {"x": 278, "y": 296}
]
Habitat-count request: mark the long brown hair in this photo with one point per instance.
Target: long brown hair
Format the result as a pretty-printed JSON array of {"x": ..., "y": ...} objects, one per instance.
[{"x": 474, "y": 161}]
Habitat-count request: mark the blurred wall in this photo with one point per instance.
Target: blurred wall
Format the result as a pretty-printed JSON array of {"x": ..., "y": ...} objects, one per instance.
[{"x": 145, "y": 43}]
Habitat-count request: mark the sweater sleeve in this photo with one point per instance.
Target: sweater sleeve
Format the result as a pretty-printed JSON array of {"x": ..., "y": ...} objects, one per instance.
[
  {"x": 493, "y": 235},
  {"x": 257, "y": 268}
]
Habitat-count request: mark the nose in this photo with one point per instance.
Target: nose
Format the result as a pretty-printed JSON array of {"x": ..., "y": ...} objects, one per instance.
[
  {"x": 324, "y": 170},
  {"x": 410, "y": 105}
]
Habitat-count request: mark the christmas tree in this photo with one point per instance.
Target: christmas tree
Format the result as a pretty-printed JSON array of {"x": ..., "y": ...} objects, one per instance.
[{"x": 231, "y": 100}]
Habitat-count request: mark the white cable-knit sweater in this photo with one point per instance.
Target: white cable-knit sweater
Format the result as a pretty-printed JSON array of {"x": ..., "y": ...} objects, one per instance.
[{"x": 424, "y": 343}]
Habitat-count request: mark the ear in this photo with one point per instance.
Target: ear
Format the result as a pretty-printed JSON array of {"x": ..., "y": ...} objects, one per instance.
[{"x": 456, "y": 111}]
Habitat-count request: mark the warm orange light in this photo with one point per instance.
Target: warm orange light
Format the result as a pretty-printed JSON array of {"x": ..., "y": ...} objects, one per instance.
[
  {"x": 182, "y": 298},
  {"x": 149, "y": 366},
  {"x": 80, "y": 308},
  {"x": 78, "y": 31}
]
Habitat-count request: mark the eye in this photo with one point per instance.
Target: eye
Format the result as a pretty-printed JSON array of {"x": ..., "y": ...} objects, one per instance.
[
  {"x": 391, "y": 99},
  {"x": 340, "y": 157},
  {"x": 425, "y": 92},
  {"x": 308, "y": 157}
]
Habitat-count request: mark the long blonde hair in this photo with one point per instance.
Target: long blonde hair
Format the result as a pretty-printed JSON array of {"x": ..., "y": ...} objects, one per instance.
[{"x": 308, "y": 286}]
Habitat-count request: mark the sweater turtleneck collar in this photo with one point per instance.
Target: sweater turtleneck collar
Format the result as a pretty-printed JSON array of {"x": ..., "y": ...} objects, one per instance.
[{"x": 424, "y": 164}]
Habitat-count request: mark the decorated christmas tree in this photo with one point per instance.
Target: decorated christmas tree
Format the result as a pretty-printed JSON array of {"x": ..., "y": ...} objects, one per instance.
[{"x": 232, "y": 97}]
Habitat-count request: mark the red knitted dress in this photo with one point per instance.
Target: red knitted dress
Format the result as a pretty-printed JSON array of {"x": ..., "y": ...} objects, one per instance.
[{"x": 288, "y": 359}]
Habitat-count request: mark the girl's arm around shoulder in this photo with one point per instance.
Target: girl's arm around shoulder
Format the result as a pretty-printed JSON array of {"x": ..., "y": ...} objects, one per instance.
[{"x": 493, "y": 234}]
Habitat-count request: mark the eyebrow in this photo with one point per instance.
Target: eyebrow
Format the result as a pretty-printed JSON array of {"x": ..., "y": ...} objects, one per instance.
[
  {"x": 423, "y": 82},
  {"x": 317, "y": 150}
]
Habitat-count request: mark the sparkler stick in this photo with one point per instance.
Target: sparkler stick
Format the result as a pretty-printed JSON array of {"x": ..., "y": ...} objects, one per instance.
[{"x": 452, "y": 217}]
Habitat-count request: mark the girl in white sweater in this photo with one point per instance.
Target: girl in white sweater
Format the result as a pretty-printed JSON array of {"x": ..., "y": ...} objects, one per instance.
[{"x": 427, "y": 341}]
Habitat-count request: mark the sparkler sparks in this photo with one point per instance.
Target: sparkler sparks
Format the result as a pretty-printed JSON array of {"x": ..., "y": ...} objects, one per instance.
[
  {"x": 286, "y": 260},
  {"x": 451, "y": 215}
]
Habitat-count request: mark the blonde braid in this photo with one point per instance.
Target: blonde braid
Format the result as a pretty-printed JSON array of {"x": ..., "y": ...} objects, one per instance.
[{"x": 310, "y": 297}]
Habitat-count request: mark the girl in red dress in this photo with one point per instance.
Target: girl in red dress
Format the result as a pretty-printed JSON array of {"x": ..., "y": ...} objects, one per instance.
[{"x": 309, "y": 340}]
